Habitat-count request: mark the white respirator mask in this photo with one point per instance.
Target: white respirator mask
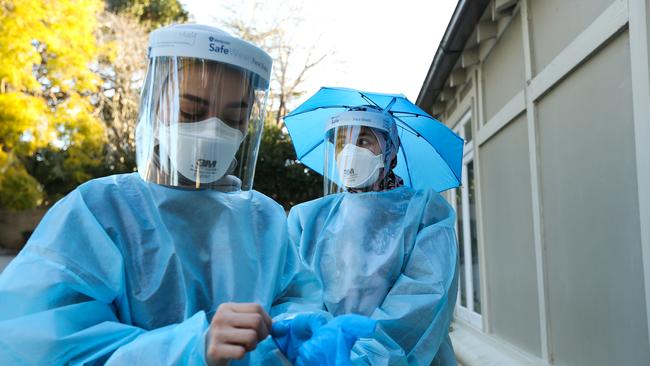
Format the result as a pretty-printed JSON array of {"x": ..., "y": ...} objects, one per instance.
[
  {"x": 203, "y": 151},
  {"x": 358, "y": 167}
]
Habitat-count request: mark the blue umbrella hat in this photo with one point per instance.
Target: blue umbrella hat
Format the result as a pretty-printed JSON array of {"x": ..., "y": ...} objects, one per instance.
[{"x": 428, "y": 153}]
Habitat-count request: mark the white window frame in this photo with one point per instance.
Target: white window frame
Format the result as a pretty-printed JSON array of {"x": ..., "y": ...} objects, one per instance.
[{"x": 466, "y": 313}]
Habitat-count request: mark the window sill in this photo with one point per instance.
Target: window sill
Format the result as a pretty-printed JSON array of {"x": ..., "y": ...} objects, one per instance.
[{"x": 474, "y": 348}]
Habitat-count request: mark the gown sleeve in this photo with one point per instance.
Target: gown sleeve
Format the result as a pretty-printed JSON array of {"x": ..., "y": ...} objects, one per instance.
[{"x": 61, "y": 301}]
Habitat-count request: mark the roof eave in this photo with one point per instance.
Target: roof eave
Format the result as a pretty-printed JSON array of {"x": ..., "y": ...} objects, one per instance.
[{"x": 461, "y": 26}]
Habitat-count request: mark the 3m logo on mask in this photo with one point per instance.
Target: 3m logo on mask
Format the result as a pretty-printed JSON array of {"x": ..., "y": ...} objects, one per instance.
[
  {"x": 349, "y": 172},
  {"x": 203, "y": 163}
]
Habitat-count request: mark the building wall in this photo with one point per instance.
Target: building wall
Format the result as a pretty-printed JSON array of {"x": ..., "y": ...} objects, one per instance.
[
  {"x": 508, "y": 229},
  {"x": 503, "y": 70},
  {"x": 558, "y": 212},
  {"x": 556, "y": 23},
  {"x": 16, "y": 227},
  {"x": 591, "y": 227}
]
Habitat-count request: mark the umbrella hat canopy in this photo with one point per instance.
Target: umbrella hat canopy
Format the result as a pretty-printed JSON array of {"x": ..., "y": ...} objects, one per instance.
[{"x": 430, "y": 154}]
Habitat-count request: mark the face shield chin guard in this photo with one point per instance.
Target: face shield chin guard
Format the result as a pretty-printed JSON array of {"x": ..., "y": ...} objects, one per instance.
[
  {"x": 359, "y": 152},
  {"x": 201, "y": 118}
]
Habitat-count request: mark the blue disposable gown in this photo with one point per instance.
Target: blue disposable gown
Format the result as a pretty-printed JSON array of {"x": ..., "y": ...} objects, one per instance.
[
  {"x": 125, "y": 272},
  {"x": 389, "y": 255}
]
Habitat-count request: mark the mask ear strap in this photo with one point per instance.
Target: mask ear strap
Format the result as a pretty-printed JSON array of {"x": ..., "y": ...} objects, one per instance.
[
  {"x": 386, "y": 146},
  {"x": 231, "y": 167},
  {"x": 383, "y": 143}
]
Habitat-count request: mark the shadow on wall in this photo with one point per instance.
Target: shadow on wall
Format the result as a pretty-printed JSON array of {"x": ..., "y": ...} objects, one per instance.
[{"x": 17, "y": 226}]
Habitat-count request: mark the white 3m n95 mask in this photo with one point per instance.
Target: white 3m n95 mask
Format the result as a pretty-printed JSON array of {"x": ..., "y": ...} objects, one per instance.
[
  {"x": 358, "y": 167},
  {"x": 203, "y": 150}
]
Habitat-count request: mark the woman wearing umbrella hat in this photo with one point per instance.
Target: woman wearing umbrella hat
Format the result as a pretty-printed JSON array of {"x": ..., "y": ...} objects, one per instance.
[
  {"x": 362, "y": 145},
  {"x": 380, "y": 247}
]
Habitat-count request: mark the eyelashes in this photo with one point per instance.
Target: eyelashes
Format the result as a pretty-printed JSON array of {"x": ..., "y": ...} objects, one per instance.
[{"x": 192, "y": 116}]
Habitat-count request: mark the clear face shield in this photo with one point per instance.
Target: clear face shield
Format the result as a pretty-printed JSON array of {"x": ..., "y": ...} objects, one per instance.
[
  {"x": 200, "y": 123},
  {"x": 357, "y": 159}
]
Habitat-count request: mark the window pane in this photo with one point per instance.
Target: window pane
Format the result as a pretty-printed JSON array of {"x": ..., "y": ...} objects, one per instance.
[
  {"x": 467, "y": 130},
  {"x": 472, "y": 224},
  {"x": 461, "y": 252}
]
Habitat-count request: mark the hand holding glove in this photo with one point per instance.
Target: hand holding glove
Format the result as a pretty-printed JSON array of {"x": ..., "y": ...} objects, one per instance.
[{"x": 308, "y": 340}]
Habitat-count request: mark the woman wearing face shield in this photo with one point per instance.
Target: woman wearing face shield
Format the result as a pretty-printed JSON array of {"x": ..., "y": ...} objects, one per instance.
[
  {"x": 379, "y": 248},
  {"x": 180, "y": 263}
]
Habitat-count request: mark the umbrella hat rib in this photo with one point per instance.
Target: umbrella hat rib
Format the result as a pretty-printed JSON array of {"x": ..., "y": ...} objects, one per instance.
[
  {"x": 314, "y": 109},
  {"x": 310, "y": 149},
  {"x": 407, "y": 128},
  {"x": 406, "y": 163},
  {"x": 392, "y": 102},
  {"x": 370, "y": 100}
]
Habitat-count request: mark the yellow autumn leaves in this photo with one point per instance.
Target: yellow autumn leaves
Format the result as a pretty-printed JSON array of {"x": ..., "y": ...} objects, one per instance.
[{"x": 47, "y": 52}]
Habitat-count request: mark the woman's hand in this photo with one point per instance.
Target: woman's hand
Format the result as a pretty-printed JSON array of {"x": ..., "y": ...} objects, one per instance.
[{"x": 235, "y": 329}]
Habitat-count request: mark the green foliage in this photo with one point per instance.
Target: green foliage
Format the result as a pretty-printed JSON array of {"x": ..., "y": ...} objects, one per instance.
[
  {"x": 152, "y": 13},
  {"x": 20, "y": 191},
  {"x": 279, "y": 175},
  {"x": 47, "y": 166}
]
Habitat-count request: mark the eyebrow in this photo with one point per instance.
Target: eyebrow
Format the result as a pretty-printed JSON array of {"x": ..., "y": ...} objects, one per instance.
[
  {"x": 367, "y": 134},
  {"x": 196, "y": 99},
  {"x": 241, "y": 104}
]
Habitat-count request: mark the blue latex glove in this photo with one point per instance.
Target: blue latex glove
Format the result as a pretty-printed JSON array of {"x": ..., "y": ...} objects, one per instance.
[
  {"x": 331, "y": 344},
  {"x": 290, "y": 334}
]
